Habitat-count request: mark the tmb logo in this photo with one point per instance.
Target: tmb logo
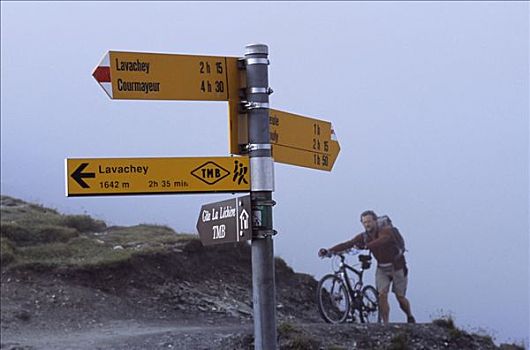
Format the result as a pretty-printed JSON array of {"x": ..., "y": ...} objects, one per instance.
[{"x": 210, "y": 173}]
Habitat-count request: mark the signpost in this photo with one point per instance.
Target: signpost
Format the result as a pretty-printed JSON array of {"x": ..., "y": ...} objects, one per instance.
[
  {"x": 225, "y": 222},
  {"x": 155, "y": 76},
  {"x": 262, "y": 135},
  {"x": 122, "y": 176}
]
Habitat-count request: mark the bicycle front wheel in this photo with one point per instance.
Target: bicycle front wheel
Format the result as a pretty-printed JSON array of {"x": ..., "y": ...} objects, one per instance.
[
  {"x": 332, "y": 299},
  {"x": 370, "y": 305}
]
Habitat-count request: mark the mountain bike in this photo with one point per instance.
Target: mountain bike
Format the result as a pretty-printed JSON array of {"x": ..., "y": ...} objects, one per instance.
[{"x": 340, "y": 298}]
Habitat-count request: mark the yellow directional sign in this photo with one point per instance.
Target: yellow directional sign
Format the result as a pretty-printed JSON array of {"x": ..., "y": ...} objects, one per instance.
[
  {"x": 298, "y": 132},
  {"x": 295, "y": 139},
  {"x": 308, "y": 159},
  {"x": 123, "y": 176},
  {"x": 155, "y": 76}
]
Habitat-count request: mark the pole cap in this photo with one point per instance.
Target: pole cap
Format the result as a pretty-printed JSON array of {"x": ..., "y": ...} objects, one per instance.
[{"x": 253, "y": 49}]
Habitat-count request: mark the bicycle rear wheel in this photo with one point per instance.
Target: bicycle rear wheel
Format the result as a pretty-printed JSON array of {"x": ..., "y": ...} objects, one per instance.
[
  {"x": 370, "y": 307},
  {"x": 332, "y": 299}
]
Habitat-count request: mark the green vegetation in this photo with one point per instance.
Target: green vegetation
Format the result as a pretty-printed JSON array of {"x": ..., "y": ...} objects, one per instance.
[
  {"x": 457, "y": 335},
  {"x": 445, "y": 322},
  {"x": 448, "y": 323},
  {"x": 513, "y": 346},
  {"x": 84, "y": 223},
  {"x": 35, "y": 236},
  {"x": 7, "y": 252},
  {"x": 445, "y": 319},
  {"x": 24, "y": 235},
  {"x": 296, "y": 339},
  {"x": 286, "y": 328},
  {"x": 153, "y": 235},
  {"x": 78, "y": 252}
]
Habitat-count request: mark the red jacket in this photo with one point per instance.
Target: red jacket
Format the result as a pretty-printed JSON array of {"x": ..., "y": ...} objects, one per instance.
[{"x": 381, "y": 243}]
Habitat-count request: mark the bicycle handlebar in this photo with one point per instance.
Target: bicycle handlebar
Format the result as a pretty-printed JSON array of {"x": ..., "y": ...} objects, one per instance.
[{"x": 341, "y": 254}]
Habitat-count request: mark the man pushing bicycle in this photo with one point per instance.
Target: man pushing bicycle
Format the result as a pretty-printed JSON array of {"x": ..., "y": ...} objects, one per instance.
[{"x": 391, "y": 264}]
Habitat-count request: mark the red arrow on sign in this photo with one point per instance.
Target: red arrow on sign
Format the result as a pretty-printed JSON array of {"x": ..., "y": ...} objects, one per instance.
[{"x": 102, "y": 75}]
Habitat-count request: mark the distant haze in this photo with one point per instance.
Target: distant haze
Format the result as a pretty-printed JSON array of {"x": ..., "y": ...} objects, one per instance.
[{"x": 429, "y": 101}]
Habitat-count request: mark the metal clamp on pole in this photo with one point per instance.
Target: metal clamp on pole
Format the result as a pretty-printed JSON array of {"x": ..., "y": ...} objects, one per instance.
[
  {"x": 254, "y": 105},
  {"x": 260, "y": 90},
  {"x": 264, "y": 233},
  {"x": 255, "y": 147},
  {"x": 267, "y": 202},
  {"x": 250, "y": 61},
  {"x": 258, "y": 146}
]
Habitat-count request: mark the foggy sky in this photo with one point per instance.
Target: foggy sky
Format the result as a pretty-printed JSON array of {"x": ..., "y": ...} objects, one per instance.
[{"x": 430, "y": 103}]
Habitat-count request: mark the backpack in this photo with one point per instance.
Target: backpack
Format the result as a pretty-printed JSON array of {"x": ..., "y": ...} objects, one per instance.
[{"x": 383, "y": 221}]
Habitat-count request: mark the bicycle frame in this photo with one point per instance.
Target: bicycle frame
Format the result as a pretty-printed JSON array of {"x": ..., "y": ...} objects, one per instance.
[{"x": 343, "y": 271}]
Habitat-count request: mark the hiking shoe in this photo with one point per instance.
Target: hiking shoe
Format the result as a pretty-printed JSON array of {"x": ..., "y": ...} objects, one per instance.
[{"x": 411, "y": 319}]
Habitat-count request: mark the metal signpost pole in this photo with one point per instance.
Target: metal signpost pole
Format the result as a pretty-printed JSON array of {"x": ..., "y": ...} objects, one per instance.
[{"x": 261, "y": 187}]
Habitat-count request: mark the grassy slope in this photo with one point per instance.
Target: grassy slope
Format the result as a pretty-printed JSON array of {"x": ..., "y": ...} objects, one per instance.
[{"x": 32, "y": 235}]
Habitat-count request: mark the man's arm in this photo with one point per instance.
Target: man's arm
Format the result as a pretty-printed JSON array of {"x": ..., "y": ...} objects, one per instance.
[
  {"x": 385, "y": 235},
  {"x": 354, "y": 242}
]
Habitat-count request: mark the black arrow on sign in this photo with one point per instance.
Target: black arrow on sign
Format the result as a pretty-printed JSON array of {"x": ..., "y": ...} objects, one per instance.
[{"x": 78, "y": 175}]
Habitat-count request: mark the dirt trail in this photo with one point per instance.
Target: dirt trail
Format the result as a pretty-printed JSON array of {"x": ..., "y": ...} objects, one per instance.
[{"x": 127, "y": 335}]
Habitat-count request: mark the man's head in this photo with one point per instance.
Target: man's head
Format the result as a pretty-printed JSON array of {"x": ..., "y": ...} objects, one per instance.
[{"x": 369, "y": 220}]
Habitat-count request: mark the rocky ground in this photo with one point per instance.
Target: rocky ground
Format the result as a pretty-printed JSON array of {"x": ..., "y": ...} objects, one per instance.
[
  {"x": 42, "y": 310},
  {"x": 159, "y": 292}
]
